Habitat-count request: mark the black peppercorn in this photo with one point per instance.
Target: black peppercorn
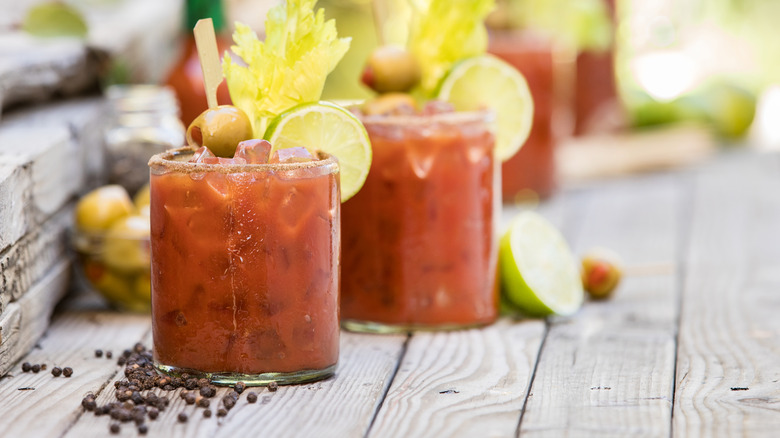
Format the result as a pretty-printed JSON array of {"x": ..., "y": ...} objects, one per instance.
[
  {"x": 143, "y": 429},
  {"x": 153, "y": 413},
  {"x": 273, "y": 386},
  {"x": 251, "y": 397},
  {"x": 208, "y": 391},
  {"x": 98, "y": 353},
  {"x": 240, "y": 387},
  {"x": 182, "y": 417},
  {"x": 56, "y": 371},
  {"x": 221, "y": 412},
  {"x": 114, "y": 428},
  {"x": 67, "y": 371},
  {"x": 207, "y": 413},
  {"x": 203, "y": 402},
  {"x": 26, "y": 367},
  {"x": 36, "y": 368},
  {"x": 109, "y": 354}
]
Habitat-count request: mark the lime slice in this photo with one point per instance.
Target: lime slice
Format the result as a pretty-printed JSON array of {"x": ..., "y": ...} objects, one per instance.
[
  {"x": 539, "y": 273},
  {"x": 329, "y": 128},
  {"x": 486, "y": 81}
]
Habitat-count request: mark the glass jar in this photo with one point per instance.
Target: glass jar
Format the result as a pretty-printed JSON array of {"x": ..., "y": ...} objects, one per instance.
[
  {"x": 245, "y": 269},
  {"x": 419, "y": 244},
  {"x": 531, "y": 174},
  {"x": 144, "y": 121}
]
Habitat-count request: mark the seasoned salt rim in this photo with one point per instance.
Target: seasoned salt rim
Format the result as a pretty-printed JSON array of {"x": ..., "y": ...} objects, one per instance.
[
  {"x": 450, "y": 118},
  {"x": 166, "y": 161}
]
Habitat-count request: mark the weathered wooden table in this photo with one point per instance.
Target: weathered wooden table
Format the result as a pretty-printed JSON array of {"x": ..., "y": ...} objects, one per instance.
[{"x": 689, "y": 346}]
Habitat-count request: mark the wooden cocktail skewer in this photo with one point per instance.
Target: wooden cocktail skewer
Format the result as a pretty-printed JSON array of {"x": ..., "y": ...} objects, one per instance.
[
  {"x": 378, "y": 10},
  {"x": 206, "y": 42}
]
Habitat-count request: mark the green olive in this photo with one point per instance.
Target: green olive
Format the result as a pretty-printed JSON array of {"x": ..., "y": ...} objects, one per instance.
[
  {"x": 221, "y": 130},
  {"x": 601, "y": 273},
  {"x": 100, "y": 208},
  {"x": 126, "y": 244},
  {"x": 142, "y": 286},
  {"x": 142, "y": 197},
  {"x": 391, "y": 68}
]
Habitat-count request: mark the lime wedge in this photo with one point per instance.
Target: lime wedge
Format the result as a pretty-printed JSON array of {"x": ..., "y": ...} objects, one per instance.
[
  {"x": 488, "y": 82},
  {"x": 539, "y": 273},
  {"x": 328, "y": 128}
]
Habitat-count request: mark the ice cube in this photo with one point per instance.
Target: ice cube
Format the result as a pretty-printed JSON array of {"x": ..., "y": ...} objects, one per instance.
[
  {"x": 253, "y": 151},
  {"x": 202, "y": 154},
  {"x": 224, "y": 161},
  {"x": 291, "y": 155},
  {"x": 434, "y": 107}
]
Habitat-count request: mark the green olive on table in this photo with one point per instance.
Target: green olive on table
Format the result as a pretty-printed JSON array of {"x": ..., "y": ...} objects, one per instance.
[
  {"x": 220, "y": 129},
  {"x": 100, "y": 208},
  {"x": 391, "y": 68}
]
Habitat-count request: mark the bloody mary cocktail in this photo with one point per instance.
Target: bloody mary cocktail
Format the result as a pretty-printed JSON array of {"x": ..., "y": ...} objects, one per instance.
[
  {"x": 245, "y": 270},
  {"x": 418, "y": 242}
]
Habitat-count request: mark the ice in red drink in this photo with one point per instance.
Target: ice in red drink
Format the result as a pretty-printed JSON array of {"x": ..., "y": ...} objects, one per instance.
[
  {"x": 419, "y": 247},
  {"x": 245, "y": 272}
]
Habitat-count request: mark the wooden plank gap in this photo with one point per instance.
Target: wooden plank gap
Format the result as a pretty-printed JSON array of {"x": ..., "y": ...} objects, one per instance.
[
  {"x": 533, "y": 375},
  {"x": 685, "y": 224},
  {"x": 390, "y": 381}
]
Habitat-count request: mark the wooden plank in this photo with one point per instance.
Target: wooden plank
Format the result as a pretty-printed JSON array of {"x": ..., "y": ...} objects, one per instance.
[
  {"x": 29, "y": 259},
  {"x": 608, "y": 370},
  {"x": 55, "y": 403},
  {"x": 84, "y": 118},
  {"x": 131, "y": 31},
  {"x": 729, "y": 344},
  {"x": 25, "y": 320},
  {"x": 338, "y": 407},
  {"x": 463, "y": 383},
  {"x": 54, "y": 159},
  {"x": 15, "y": 194}
]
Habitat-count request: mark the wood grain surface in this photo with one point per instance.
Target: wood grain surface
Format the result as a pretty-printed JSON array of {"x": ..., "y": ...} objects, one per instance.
[{"x": 688, "y": 346}]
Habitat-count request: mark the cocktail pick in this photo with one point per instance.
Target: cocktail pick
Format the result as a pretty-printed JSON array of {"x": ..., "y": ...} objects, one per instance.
[
  {"x": 206, "y": 42},
  {"x": 379, "y": 13}
]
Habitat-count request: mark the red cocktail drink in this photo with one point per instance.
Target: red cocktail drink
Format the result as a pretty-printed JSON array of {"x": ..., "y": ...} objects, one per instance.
[
  {"x": 245, "y": 272},
  {"x": 533, "y": 167},
  {"x": 419, "y": 247}
]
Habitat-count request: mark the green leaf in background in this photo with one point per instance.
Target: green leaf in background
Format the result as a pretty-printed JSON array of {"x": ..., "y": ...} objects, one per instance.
[
  {"x": 444, "y": 32},
  {"x": 54, "y": 20},
  {"x": 290, "y": 67}
]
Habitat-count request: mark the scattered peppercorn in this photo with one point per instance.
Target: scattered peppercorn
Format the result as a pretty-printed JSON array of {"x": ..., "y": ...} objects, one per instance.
[
  {"x": 98, "y": 353},
  {"x": 56, "y": 371},
  {"x": 228, "y": 402},
  {"x": 109, "y": 354},
  {"x": 36, "y": 368},
  {"x": 26, "y": 367},
  {"x": 240, "y": 387},
  {"x": 233, "y": 395},
  {"x": 208, "y": 391},
  {"x": 189, "y": 398},
  {"x": 67, "y": 371},
  {"x": 143, "y": 429},
  {"x": 114, "y": 428},
  {"x": 251, "y": 397},
  {"x": 153, "y": 413},
  {"x": 207, "y": 413},
  {"x": 273, "y": 386},
  {"x": 43, "y": 367},
  {"x": 203, "y": 382},
  {"x": 221, "y": 412},
  {"x": 203, "y": 402},
  {"x": 182, "y": 417}
]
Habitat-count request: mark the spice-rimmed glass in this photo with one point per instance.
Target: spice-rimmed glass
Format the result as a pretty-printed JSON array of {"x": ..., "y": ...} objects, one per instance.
[
  {"x": 245, "y": 269},
  {"x": 419, "y": 245}
]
